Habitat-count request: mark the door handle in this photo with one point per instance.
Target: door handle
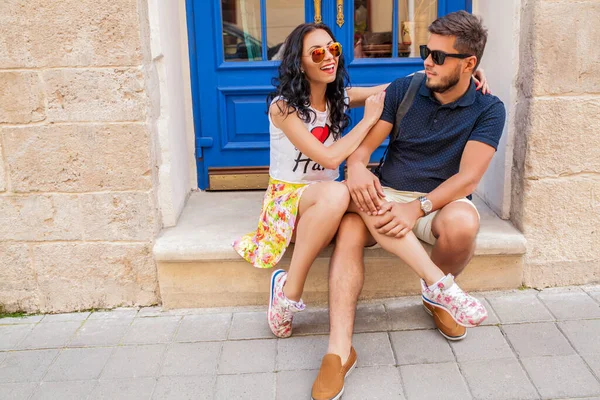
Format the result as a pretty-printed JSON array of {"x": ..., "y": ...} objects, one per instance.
[
  {"x": 318, "y": 17},
  {"x": 340, "y": 13}
]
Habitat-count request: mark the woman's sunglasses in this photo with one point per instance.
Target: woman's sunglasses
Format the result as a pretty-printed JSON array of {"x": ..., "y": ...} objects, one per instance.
[
  {"x": 318, "y": 54},
  {"x": 439, "y": 56}
]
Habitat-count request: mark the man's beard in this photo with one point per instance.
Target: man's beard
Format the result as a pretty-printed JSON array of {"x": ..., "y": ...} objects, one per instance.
[{"x": 446, "y": 83}]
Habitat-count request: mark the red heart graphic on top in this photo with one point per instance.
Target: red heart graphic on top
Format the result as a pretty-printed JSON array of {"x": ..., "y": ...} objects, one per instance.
[{"x": 321, "y": 133}]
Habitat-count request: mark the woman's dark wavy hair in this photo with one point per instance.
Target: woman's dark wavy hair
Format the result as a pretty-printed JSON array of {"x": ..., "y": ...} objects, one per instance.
[{"x": 292, "y": 85}]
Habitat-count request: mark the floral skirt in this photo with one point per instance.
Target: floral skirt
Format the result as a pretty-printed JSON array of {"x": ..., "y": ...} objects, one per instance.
[{"x": 264, "y": 247}]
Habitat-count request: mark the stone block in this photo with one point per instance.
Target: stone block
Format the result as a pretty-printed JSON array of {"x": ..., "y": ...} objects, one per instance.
[
  {"x": 482, "y": 343},
  {"x": 519, "y": 306},
  {"x": 184, "y": 387},
  {"x": 39, "y": 33},
  {"x": 18, "y": 287},
  {"x": 195, "y": 328},
  {"x": 2, "y": 170},
  {"x": 78, "y": 158},
  {"x": 17, "y": 391},
  {"x": 78, "y": 364},
  {"x": 75, "y": 276},
  {"x": 373, "y": 349},
  {"x": 567, "y": 305},
  {"x": 21, "y": 97},
  {"x": 26, "y": 366},
  {"x": 561, "y": 219},
  {"x": 545, "y": 274},
  {"x": 186, "y": 359},
  {"x": 421, "y": 347},
  {"x": 124, "y": 389},
  {"x": 248, "y": 356},
  {"x": 295, "y": 384},
  {"x": 583, "y": 335},
  {"x": 556, "y": 148},
  {"x": 407, "y": 313},
  {"x": 565, "y": 376},
  {"x": 118, "y": 216},
  {"x": 134, "y": 362},
  {"x": 48, "y": 336},
  {"x": 428, "y": 381},
  {"x": 12, "y": 335},
  {"x": 245, "y": 386},
  {"x": 100, "y": 332},
  {"x": 95, "y": 95},
  {"x": 537, "y": 340},
  {"x": 301, "y": 352},
  {"x": 498, "y": 380},
  {"x": 566, "y": 58},
  {"x": 64, "y": 390},
  {"x": 374, "y": 383},
  {"x": 152, "y": 330},
  {"x": 40, "y": 217},
  {"x": 250, "y": 325}
]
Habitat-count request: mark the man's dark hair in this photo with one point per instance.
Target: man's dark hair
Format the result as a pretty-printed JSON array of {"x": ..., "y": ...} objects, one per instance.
[{"x": 470, "y": 34}]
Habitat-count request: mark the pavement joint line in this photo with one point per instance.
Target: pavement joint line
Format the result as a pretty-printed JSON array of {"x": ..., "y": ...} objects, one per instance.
[
  {"x": 545, "y": 306},
  {"x": 518, "y": 357},
  {"x": 577, "y": 352}
]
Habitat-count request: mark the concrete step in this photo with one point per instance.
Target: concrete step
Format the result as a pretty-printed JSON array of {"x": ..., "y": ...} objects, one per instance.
[{"x": 197, "y": 267}]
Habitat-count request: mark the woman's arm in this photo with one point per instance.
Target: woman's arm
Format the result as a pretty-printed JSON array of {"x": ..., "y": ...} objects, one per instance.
[
  {"x": 329, "y": 157},
  {"x": 358, "y": 95}
]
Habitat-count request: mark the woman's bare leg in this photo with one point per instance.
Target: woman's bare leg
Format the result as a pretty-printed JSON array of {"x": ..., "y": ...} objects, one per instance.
[{"x": 321, "y": 209}]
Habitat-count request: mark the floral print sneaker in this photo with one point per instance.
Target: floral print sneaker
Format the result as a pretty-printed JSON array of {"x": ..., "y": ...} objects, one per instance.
[
  {"x": 281, "y": 309},
  {"x": 464, "y": 309}
]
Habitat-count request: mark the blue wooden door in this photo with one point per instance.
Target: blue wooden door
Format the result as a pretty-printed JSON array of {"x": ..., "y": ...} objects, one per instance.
[{"x": 234, "y": 47}]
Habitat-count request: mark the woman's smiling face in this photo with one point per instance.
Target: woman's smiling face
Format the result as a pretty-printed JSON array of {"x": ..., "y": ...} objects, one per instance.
[{"x": 324, "y": 71}]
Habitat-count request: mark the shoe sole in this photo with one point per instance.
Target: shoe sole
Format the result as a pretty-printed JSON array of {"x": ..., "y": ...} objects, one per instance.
[
  {"x": 453, "y": 338},
  {"x": 437, "y": 305},
  {"x": 272, "y": 284},
  {"x": 339, "y": 395}
]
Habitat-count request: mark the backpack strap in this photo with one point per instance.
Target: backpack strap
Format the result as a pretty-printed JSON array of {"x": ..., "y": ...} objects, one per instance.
[{"x": 405, "y": 104}]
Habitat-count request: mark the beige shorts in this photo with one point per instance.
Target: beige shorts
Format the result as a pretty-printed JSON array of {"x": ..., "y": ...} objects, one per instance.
[{"x": 422, "y": 228}]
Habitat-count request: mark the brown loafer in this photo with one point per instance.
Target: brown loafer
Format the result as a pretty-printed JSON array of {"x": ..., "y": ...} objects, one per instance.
[
  {"x": 445, "y": 323},
  {"x": 329, "y": 384}
]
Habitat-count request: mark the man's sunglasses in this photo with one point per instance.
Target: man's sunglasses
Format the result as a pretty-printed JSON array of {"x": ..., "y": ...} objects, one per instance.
[
  {"x": 318, "y": 54},
  {"x": 438, "y": 56}
]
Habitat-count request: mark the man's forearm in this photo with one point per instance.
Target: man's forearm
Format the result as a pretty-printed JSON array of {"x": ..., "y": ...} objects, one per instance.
[{"x": 458, "y": 186}]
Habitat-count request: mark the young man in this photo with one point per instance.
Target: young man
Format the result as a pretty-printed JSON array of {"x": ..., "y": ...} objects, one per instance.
[{"x": 445, "y": 143}]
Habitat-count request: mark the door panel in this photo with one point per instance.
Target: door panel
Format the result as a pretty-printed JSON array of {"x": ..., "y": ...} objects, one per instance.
[{"x": 232, "y": 66}]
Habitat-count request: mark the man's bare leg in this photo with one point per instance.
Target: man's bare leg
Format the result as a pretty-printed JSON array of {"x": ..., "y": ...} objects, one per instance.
[
  {"x": 346, "y": 277},
  {"x": 455, "y": 227}
]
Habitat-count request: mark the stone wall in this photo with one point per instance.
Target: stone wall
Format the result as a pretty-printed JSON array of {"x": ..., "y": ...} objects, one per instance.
[
  {"x": 556, "y": 171},
  {"x": 77, "y": 201}
]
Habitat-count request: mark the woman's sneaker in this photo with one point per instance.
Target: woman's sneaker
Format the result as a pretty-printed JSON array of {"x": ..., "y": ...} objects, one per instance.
[
  {"x": 281, "y": 309},
  {"x": 464, "y": 309}
]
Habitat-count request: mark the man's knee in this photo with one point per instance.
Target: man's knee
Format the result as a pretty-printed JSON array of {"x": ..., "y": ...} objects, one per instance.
[{"x": 457, "y": 227}]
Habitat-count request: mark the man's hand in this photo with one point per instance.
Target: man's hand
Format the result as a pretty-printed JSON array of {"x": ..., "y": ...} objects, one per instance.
[
  {"x": 397, "y": 219},
  {"x": 365, "y": 189}
]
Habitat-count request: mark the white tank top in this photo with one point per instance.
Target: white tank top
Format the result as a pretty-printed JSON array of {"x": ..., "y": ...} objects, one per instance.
[{"x": 288, "y": 164}]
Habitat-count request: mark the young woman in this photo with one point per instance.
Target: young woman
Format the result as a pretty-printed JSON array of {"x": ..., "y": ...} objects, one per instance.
[{"x": 303, "y": 203}]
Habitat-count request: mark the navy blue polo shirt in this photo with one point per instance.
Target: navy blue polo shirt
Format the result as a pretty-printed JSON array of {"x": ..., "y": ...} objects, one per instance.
[{"x": 432, "y": 136}]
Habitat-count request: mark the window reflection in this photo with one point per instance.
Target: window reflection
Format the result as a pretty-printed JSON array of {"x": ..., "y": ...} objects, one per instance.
[
  {"x": 241, "y": 30},
  {"x": 373, "y": 27}
]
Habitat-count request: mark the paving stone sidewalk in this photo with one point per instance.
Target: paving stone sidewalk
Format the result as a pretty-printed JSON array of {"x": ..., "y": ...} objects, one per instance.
[{"x": 534, "y": 345}]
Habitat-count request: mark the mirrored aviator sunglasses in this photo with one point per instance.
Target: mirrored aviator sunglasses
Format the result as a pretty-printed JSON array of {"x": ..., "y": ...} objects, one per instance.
[
  {"x": 438, "y": 56},
  {"x": 318, "y": 54}
]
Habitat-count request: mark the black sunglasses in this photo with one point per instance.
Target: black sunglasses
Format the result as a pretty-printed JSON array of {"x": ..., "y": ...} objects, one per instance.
[{"x": 439, "y": 56}]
